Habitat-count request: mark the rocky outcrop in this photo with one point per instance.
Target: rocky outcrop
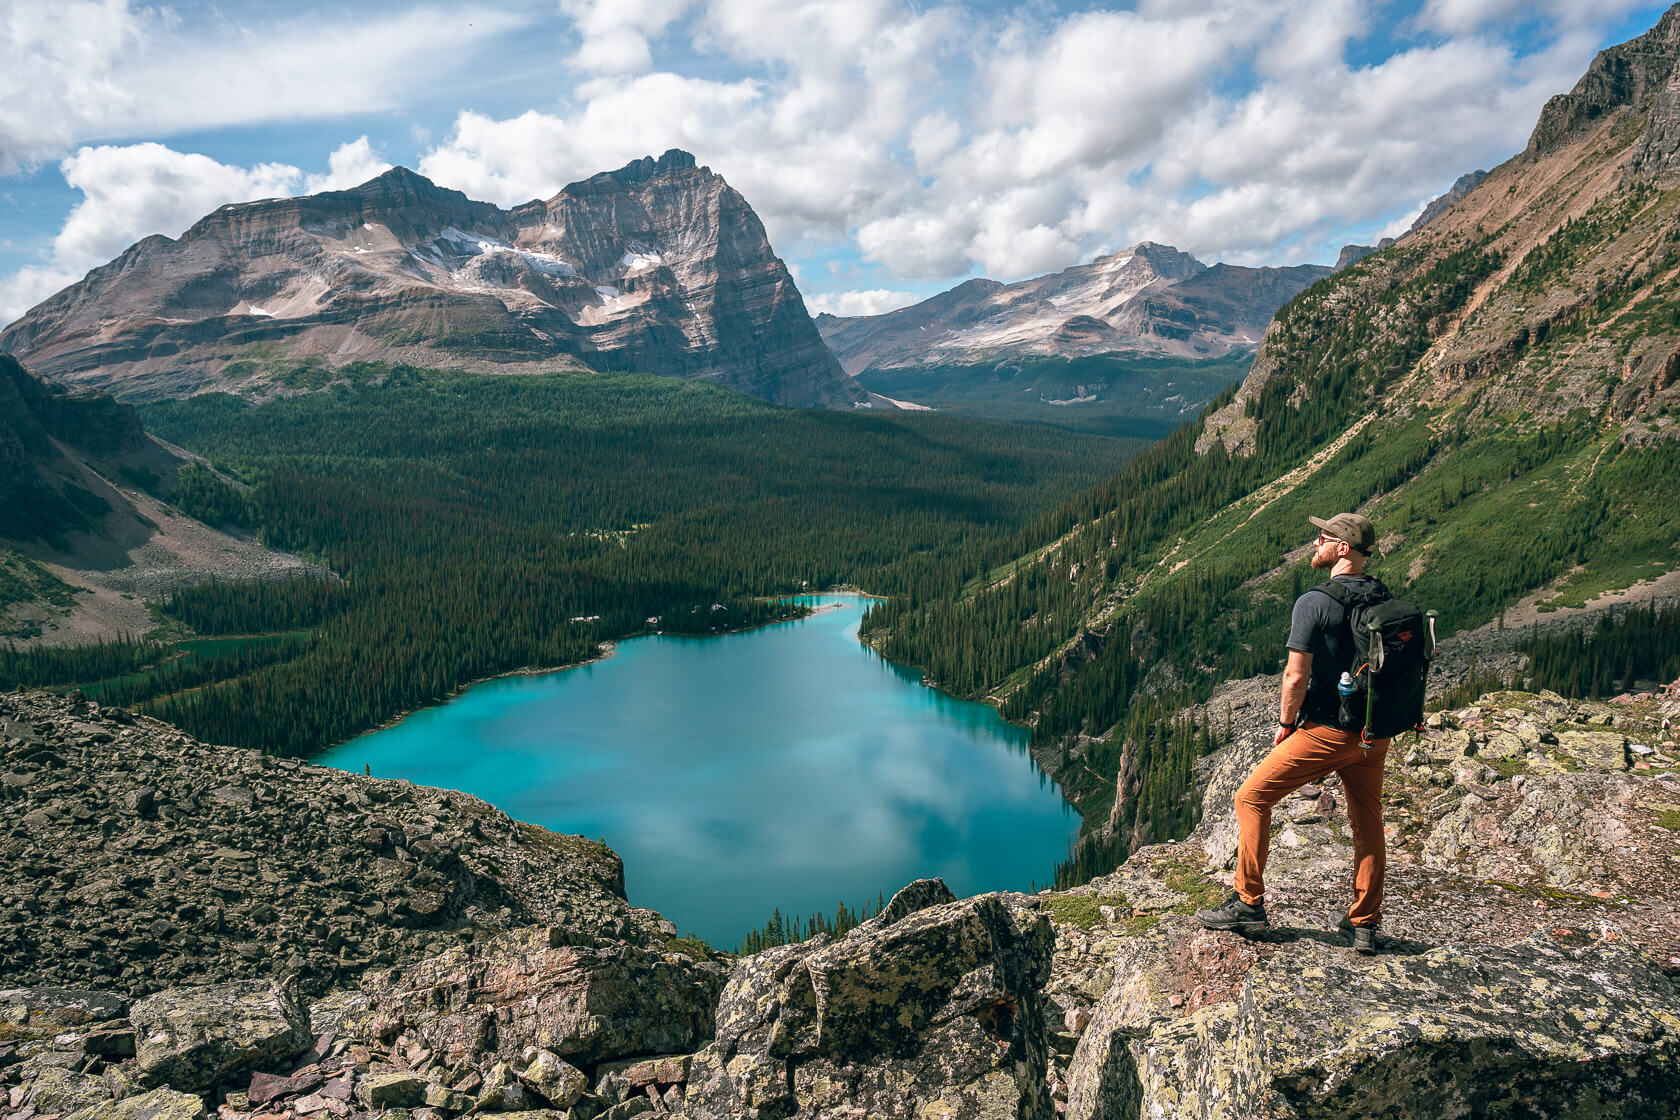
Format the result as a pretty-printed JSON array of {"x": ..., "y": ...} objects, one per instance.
[
  {"x": 1529, "y": 839},
  {"x": 1462, "y": 186},
  {"x": 1450, "y": 1032},
  {"x": 195, "y": 1038},
  {"x": 1636, "y": 74},
  {"x": 659, "y": 267},
  {"x": 1353, "y": 254},
  {"x": 931, "y": 1009},
  {"x": 587, "y": 1001},
  {"x": 170, "y": 861},
  {"x": 1151, "y": 299}
]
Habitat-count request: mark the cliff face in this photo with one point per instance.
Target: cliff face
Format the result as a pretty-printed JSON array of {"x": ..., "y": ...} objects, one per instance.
[
  {"x": 1151, "y": 299},
  {"x": 659, "y": 267}
]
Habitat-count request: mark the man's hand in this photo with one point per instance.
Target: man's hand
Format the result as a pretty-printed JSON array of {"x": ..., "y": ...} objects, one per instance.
[{"x": 1283, "y": 733}]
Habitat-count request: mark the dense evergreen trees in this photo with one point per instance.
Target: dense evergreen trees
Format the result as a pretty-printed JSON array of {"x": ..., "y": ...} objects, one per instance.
[
  {"x": 783, "y": 929},
  {"x": 484, "y": 524},
  {"x": 1609, "y": 657}
]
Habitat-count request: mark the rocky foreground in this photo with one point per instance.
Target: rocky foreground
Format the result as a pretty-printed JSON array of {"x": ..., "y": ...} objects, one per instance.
[{"x": 189, "y": 931}]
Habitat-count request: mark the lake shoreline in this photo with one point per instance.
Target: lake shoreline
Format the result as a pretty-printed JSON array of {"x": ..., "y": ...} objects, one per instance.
[
  {"x": 607, "y": 649},
  {"x": 723, "y": 773}
]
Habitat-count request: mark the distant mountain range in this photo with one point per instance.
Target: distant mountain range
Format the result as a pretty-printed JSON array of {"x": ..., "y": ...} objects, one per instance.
[
  {"x": 1148, "y": 300},
  {"x": 659, "y": 267}
]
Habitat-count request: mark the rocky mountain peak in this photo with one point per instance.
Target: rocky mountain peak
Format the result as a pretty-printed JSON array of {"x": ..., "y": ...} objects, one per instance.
[
  {"x": 633, "y": 175},
  {"x": 1627, "y": 75},
  {"x": 641, "y": 170},
  {"x": 398, "y": 186},
  {"x": 658, "y": 267},
  {"x": 1133, "y": 300},
  {"x": 1165, "y": 259}
]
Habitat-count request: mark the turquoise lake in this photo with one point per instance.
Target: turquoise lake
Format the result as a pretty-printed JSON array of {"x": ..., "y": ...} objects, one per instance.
[{"x": 789, "y": 766}]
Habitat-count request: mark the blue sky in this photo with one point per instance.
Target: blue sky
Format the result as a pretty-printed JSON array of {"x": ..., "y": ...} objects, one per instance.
[{"x": 893, "y": 149}]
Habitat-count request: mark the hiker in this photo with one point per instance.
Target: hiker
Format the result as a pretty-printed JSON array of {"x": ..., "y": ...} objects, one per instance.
[{"x": 1318, "y": 733}]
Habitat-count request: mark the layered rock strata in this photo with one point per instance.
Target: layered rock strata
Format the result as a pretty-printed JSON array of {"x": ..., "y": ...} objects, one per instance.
[
  {"x": 658, "y": 267},
  {"x": 1150, "y": 299}
]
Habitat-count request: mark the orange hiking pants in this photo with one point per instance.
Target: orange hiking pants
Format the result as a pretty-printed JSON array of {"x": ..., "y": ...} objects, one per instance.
[{"x": 1309, "y": 755}]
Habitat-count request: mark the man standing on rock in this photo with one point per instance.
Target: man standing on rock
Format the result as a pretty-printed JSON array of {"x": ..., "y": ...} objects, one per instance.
[{"x": 1313, "y": 742}]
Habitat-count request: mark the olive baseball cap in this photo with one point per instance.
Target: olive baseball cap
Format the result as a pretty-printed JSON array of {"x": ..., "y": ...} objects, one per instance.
[{"x": 1354, "y": 528}]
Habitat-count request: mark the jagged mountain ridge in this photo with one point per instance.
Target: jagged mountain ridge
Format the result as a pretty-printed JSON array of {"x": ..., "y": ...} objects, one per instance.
[
  {"x": 1497, "y": 391},
  {"x": 1150, "y": 299},
  {"x": 659, "y": 266}
]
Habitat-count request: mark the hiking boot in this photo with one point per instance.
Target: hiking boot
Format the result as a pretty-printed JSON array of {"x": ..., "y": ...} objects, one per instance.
[
  {"x": 1235, "y": 915},
  {"x": 1364, "y": 937}
]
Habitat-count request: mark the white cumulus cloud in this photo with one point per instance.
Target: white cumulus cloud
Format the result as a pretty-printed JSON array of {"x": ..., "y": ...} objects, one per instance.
[
  {"x": 350, "y": 165},
  {"x": 76, "y": 70},
  {"x": 140, "y": 189},
  {"x": 134, "y": 190},
  {"x": 870, "y": 301},
  {"x": 614, "y": 34}
]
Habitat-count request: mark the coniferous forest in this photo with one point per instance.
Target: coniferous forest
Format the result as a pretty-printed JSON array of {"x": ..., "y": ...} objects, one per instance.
[{"x": 479, "y": 525}]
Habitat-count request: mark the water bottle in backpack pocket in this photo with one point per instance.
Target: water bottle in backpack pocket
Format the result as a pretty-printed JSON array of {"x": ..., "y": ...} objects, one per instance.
[{"x": 1350, "y": 706}]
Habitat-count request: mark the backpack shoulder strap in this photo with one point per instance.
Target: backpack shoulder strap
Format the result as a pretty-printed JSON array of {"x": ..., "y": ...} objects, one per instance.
[{"x": 1336, "y": 591}]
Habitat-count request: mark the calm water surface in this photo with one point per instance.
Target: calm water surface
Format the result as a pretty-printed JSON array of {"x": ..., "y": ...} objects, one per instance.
[{"x": 787, "y": 767}]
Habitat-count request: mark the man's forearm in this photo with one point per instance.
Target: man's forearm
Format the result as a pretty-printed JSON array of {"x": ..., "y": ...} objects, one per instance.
[{"x": 1293, "y": 696}]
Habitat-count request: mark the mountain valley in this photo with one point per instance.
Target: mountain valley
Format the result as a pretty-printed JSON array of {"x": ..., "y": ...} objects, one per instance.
[
  {"x": 1496, "y": 391},
  {"x": 322, "y": 462}
]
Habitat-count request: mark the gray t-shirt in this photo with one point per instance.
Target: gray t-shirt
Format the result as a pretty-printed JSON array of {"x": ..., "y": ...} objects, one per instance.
[{"x": 1319, "y": 626}]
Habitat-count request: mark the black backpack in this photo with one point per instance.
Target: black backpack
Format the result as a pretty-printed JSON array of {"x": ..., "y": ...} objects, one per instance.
[{"x": 1395, "y": 644}]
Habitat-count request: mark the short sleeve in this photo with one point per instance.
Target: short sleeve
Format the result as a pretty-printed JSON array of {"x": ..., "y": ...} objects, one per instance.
[{"x": 1304, "y": 621}]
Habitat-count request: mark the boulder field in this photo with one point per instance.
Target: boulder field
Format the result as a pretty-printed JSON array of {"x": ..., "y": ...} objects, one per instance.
[{"x": 190, "y": 931}]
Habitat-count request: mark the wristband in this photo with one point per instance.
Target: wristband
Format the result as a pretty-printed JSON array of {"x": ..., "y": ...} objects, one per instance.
[{"x": 1287, "y": 726}]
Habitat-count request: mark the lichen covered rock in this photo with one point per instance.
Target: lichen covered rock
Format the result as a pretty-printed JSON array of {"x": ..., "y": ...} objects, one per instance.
[
  {"x": 1586, "y": 1027},
  {"x": 534, "y": 988},
  {"x": 159, "y": 1104},
  {"x": 932, "y": 1011},
  {"x": 194, "y": 1038}
]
